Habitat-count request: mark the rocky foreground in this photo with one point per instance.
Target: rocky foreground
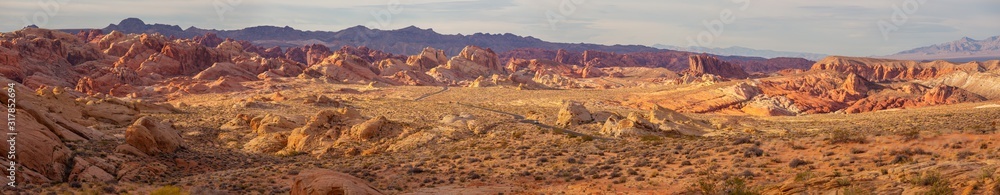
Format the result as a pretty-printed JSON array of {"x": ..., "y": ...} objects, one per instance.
[{"x": 143, "y": 113}]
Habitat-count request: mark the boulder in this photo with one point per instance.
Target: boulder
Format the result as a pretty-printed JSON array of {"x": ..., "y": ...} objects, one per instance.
[
  {"x": 631, "y": 126},
  {"x": 573, "y": 113},
  {"x": 325, "y": 182},
  {"x": 153, "y": 136},
  {"x": 267, "y": 143},
  {"x": 375, "y": 129}
]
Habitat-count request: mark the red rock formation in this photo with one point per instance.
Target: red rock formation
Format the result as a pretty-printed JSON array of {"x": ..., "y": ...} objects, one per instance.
[
  {"x": 90, "y": 35},
  {"x": 316, "y": 53},
  {"x": 943, "y": 94},
  {"x": 209, "y": 40},
  {"x": 853, "y": 88},
  {"x": 273, "y": 52},
  {"x": 811, "y": 93},
  {"x": 413, "y": 78},
  {"x": 368, "y": 54},
  {"x": 309, "y": 55},
  {"x": 760, "y": 65},
  {"x": 882, "y": 70},
  {"x": 296, "y": 54},
  {"x": 427, "y": 59},
  {"x": 700, "y": 64},
  {"x": 940, "y": 95},
  {"x": 343, "y": 68},
  {"x": 53, "y": 117},
  {"x": 485, "y": 57}
]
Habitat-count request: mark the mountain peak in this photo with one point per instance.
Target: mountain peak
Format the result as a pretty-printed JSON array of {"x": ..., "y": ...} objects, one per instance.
[
  {"x": 358, "y": 27},
  {"x": 129, "y": 22}
]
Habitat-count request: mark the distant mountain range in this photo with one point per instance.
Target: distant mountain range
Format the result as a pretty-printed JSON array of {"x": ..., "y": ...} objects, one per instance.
[
  {"x": 412, "y": 40},
  {"x": 962, "y": 50},
  {"x": 407, "y": 41},
  {"x": 743, "y": 51}
]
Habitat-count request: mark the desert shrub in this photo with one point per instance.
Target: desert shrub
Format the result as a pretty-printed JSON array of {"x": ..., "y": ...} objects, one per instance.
[
  {"x": 753, "y": 152},
  {"x": 742, "y": 140},
  {"x": 963, "y": 155},
  {"x": 803, "y": 176},
  {"x": 706, "y": 186},
  {"x": 987, "y": 172},
  {"x": 651, "y": 138},
  {"x": 941, "y": 188},
  {"x": 928, "y": 179},
  {"x": 900, "y": 158},
  {"x": 797, "y": 147},
  {"x": 910, "y": 134},
  {"x": 843, "y": 181},
  {"x": 738, "y": 186},
  {"x": 796, "y": 163},
  {"x": 839, "y": 136},
  {"x": 168, "y": 190},
  {"x": 910, "y": 152}
]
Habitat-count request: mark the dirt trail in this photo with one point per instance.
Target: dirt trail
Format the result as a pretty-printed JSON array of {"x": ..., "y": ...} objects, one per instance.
[{"x": 422, "y": 97}]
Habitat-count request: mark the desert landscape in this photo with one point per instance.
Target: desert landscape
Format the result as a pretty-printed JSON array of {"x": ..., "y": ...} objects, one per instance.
[
  {"x": 139, "y": 113},
  {"x": 575, "y": 98}
]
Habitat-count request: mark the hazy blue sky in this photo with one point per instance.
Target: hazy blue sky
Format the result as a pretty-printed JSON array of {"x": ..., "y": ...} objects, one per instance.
[{"x": 845, "y": 27}]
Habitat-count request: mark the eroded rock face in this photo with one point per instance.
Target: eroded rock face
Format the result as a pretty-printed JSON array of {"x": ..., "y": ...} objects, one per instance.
[
  {"x": 153, "y": 136},
  {"x": 631, "y": 126},
  {"x": 309, "y": 55},
  {"x": 939, "y": 95},
  {"x": 658, "y": 121},
  {"x": 771, "y": 106},
  {"x": 427, "y": 59},
  {"x": 321, "y": 130},
  {"x": 325, "y": 182},
  {"x": 343, "y": 68},
  {"x": 46, "y": 120},
  {"x": 573, "y": 113},
  {"x": 710, "y": 65},
  {"x": 880, "y": 70},
  {"x": 485, "y": 57}
]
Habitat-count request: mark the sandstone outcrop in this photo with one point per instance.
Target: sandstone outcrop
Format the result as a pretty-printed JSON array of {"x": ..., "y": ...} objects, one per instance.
[
  {"x": 47, "y": 120},
  {"x": 658, "y": 121},
  {"x": 342, "y": 68},
  {"x": 322, "y": 130},
  {"x": 939, "y": 95},
  {"x": 153, "y": 136},
  {"x": 324, "y": 182},
  {"x": 771, "y": 106},
  {"x": 573, "y": 113},
  {"x": 375, "y": 129},
  {"x": 881, "y": 70},
  {"x": 427, "y": 59},
  {"x": 700, "y": 64}
]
